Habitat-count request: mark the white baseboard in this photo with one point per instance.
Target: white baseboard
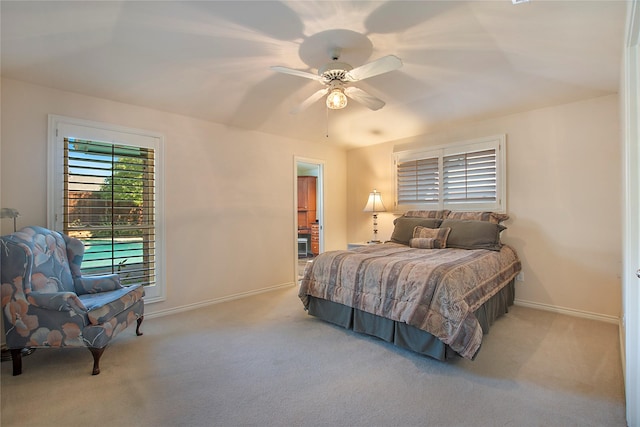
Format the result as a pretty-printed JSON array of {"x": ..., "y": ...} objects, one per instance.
[
  {"x": 569, "y": 311},
  {"x": 206, "y": 303}
]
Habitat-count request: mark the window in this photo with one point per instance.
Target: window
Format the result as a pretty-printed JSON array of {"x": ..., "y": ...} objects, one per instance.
[
  {"x": 462, "y": 176},
  {"x": 105, "y": 191}
]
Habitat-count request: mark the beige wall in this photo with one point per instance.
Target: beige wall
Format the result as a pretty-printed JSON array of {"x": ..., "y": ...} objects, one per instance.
[
  {"x": 229, "y": 194},
  {"x": 564, "y": 198}
]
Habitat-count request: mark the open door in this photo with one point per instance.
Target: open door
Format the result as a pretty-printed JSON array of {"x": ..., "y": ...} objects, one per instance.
[{"x": 309, "y": 228}]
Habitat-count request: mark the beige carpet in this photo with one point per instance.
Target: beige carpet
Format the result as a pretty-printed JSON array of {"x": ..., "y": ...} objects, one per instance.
[{"x": 262, "y": 361}]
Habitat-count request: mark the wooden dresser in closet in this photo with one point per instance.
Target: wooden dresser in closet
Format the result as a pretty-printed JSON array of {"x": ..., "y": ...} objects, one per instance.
[
  {"x": 315, "y": 239},
  {"x": 307, "y": 208}
]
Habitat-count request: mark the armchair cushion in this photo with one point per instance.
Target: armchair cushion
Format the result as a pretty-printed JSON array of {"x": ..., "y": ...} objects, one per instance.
[{"x": 102, "y": 307}]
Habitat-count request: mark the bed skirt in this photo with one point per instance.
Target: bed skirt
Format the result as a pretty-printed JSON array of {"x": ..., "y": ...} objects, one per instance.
[{"x": 403, "y": 335}]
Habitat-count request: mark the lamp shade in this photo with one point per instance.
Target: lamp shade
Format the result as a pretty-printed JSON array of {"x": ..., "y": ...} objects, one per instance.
[
  {"x": 9, "y": 213},
  {"x": 374, "y": 204}
]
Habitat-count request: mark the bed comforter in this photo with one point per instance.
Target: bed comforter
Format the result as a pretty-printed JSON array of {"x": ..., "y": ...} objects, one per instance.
[{"x": 436, "y": 290}]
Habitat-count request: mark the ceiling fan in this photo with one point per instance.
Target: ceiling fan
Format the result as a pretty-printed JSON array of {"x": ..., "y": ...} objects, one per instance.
[{"x": 336, "y": 76}]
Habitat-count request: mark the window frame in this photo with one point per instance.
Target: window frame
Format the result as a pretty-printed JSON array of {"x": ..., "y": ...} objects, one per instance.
[
  {"x": 61, "y": 127},
  {"x": 497, "y": 142}
]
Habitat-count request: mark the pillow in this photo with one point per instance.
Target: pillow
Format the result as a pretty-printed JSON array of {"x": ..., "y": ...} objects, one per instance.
[
  {"x": 437, "y": 235},
  {"x": 442, "y": 214},
  {"x": 469, "y": 234},
  {"x": 423, "y": 243},
  {"x": 403, "y": 230},
  {"x": 493, "y": 217}
]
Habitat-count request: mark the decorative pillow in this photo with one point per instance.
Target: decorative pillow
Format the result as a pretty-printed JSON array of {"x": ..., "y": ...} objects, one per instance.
[
  {"x": 442, "y": 214},
  {"x": 403, "y": 230},
  {"x": 423, "y": 243},
  {"x": 468, "y": 234},
  {"x": 437, "y": 235},
  {"x": 493, "y": 217}
]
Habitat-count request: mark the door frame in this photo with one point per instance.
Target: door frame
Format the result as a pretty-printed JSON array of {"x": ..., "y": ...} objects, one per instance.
[
  {"x": 630, "y": 93},
  {"x": 319, "y": 205}
]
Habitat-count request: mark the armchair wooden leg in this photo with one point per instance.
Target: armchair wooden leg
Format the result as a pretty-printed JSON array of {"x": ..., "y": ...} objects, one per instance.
[
  {"x": 96, "y": 353},
  {"x": 140, "y": 319},
  {"x": 16, "y": 357}
]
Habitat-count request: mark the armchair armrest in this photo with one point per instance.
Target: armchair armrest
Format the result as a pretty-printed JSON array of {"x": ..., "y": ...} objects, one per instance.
[
  {"x": 96, "y": 284},
  {"x": 58, "y": 301}
]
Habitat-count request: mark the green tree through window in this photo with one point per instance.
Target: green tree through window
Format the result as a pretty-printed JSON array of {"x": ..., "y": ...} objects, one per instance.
[{"x": 125, "y": 189}]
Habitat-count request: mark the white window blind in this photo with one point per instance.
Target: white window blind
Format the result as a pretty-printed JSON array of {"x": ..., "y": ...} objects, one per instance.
[
  {"x": 470, "y": 177},
  {"x": 109, "y": 205},
  {"x": 418, "y": 181},
  {"x": 460, "y": 176}
]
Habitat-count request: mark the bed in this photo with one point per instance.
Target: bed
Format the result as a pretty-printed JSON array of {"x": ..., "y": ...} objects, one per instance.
[{"x": 435, "y": 288}]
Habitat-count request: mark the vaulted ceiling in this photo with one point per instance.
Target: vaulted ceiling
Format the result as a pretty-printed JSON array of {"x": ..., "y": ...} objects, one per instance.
[{"x": 462, "y": 60}]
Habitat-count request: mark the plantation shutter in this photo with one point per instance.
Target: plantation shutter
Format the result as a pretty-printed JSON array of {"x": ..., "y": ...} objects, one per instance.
[
  {"x": 470, "y": 177},
  {"x": 463, "y": 176},
  {"x": 418, "y": 181},
  {"x": 109, "y": 204}
]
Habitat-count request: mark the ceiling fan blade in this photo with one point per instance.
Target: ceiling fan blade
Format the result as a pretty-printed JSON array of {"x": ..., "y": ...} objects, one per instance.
[
  {"x": 310, "y": 100},
  {"x": 295, "y": 72},
  {"x": 379, "y": 66},
  {"x": 364, "y": 98}
]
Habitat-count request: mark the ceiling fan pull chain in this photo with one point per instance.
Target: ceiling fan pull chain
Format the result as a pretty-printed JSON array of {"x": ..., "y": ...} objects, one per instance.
[{"x": 327, "y": 135}]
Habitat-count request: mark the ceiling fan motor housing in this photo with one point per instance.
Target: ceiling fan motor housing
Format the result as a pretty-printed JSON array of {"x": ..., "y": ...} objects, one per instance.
[{"x": 334, "y": 71}]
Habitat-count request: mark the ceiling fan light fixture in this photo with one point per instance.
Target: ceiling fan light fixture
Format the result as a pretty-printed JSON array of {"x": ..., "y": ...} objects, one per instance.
[{"x": 336, "y": 99}]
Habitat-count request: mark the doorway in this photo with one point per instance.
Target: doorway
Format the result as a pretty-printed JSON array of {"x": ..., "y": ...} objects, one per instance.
[{"x": 309, "y": 204}]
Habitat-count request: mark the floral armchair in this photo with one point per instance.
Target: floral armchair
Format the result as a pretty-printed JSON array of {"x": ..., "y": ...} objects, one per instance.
[{"x": 47, "y": 303}]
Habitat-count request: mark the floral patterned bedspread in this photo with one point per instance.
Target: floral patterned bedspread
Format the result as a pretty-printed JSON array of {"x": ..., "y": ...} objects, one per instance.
[{"x": 436, "y": 290}]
